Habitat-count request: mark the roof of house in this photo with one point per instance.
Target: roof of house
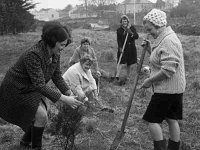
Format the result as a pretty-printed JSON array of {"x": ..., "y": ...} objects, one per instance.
[{"x": 136, "y": 1}]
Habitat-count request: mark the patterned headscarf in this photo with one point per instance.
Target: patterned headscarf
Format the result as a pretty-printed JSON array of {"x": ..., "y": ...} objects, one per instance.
[{"x": 157, "y": 17}]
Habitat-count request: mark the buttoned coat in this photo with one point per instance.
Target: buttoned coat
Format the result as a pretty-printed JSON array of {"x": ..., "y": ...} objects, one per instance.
[
  {"x": 130, "y": 52},
  {"x": 25, "y": 85}
]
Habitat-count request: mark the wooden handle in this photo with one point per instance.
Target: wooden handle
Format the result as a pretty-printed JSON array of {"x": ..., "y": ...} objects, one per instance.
[
  {"x": 133, "y": 90},
  {"x": 122, "y": 52}
]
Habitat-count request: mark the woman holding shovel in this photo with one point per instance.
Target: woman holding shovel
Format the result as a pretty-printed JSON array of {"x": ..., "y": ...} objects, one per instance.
[
  {"x": 127, "y": 52},
  {"x": 24, "y": 90},
  {"x": 167, "y": 79}
]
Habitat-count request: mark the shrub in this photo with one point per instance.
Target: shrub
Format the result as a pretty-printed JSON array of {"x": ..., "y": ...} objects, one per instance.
[{"x": 66, "y": 125}]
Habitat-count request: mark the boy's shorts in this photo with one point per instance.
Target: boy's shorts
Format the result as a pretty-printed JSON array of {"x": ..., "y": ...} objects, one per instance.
[{"x": 164, "y": 106}]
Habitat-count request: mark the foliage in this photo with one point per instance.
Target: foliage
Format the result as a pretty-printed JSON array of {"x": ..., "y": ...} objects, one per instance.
[
  {"x": 99, "y": 5},
  {"x": 65, "y": 12},
  {"x": 186, "y": 9},
  {"x": 101, "y": 2},
  {"x": 66, "y": 125},
  {"x": 159, "y": 4},
  {"x": 68, "y": 7},
  {"x": 14, "y": 16}
]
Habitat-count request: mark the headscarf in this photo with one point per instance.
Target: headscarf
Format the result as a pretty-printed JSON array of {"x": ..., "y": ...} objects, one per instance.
[{"x": 157, "y": 17}]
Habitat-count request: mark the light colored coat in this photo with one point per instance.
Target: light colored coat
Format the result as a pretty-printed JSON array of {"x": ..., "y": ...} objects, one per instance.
[
  {"x": 167, "y": 56},
  {"x": 80, "y": 81}
]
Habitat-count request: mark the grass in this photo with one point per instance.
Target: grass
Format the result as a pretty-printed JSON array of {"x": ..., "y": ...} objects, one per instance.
[{"x": 137, "y": 136}]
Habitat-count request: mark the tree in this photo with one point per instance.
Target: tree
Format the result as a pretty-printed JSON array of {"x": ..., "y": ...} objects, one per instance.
[
  {"x": 160, "y": 4},
  {"x": 65, "y": 12},
  {"x": 15, "y": 16},
  {"x": 68, "y": 7},
  {"x": 99, "y": 5},
  {"x": 186, "y": 8},
  {"x": 101, "y": 2}
]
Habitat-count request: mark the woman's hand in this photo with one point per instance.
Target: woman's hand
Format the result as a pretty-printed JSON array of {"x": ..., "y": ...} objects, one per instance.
[
  {"x": 147, "y": 83},
  {"x": 129, "y": 31},
  {"x": 95, "y": 94},
  {"x": 68, "y": 92},
  {"x": 146, "y": 44},
  {"x": 71, "y": 101},
  {"x": 98, "y": 73}
]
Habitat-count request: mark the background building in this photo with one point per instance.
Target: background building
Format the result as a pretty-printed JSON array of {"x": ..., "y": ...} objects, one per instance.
[
  {"x": 127, "y": 6},
  {"x": 46, "y": 14}
]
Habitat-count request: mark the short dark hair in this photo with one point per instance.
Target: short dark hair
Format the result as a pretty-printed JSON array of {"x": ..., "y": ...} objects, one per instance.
[
  {"x": 53, "y": 32},
  {"x": 85, "y": 40}
]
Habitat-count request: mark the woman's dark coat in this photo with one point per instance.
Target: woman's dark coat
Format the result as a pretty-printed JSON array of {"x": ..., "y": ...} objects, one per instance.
[
  {"x": 130, "y": 52},
  {"x": 25, "y": 84}
]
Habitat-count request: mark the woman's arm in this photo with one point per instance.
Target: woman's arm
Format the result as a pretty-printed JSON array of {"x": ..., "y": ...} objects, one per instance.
[
  {"x": 134, "y": 34},
  {"x": 73, "y": 78},
  {"x": 59, "y": 81},
  {"x": 160, "y": 76},
  {"x": 33, "y": 65}
]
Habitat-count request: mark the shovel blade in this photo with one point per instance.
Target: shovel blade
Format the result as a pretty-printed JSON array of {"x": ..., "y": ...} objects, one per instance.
[{"x": 117, "y": 140}]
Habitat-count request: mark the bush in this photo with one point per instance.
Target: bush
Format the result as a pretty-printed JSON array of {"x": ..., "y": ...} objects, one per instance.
[{"x": 66, "y": 125}]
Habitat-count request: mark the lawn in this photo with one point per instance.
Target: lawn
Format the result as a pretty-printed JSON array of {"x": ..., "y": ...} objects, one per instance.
[{"x": 137, "y": 136}]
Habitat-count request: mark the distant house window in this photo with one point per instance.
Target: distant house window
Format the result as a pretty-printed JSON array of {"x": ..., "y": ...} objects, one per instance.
[{"x": 52, "y": 15}]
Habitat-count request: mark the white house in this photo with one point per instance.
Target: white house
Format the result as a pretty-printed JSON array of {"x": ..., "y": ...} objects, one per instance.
[
  {"x": 46, "y": 14},
  {"x": 80, "y": 12},
  {"x": 134, "y": 6}
]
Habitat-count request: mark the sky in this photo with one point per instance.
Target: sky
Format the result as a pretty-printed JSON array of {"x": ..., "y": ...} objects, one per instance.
[{"x": 60, "y": 4}]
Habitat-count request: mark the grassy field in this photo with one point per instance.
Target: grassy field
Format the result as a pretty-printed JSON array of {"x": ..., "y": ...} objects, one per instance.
[{"x": 137, "y": 136}]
